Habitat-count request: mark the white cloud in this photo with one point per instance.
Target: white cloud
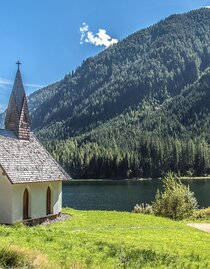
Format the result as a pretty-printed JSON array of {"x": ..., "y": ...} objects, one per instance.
[
  {"x": 5, "y": 83},
  {"x": 83, "y": 30},
  {"x": 207, "y": 7},
  {"x": 34, "y": 86},
  {"x": 99, "y": 39}
]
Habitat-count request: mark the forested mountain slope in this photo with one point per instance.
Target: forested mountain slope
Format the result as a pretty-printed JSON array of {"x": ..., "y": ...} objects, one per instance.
[
  {"x": 148, "y": 140},
  {"x": 157, "y": 62},
  {"x": 39, "y": 97}
]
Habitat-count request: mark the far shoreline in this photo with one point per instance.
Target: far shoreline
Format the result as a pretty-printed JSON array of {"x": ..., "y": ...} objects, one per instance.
[
  {"x": 136, "y": 179},
  {"x": 112, "y": 179},
  {"x": 195, "y": 178}
]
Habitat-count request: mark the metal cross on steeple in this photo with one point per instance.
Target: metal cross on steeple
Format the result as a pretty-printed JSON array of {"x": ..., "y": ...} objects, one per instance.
[{"x": 18, "y": 63}]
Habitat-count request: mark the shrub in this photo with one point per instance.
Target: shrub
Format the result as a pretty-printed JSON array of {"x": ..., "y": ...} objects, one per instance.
[
  {"x": 190, "y": 173},
  {"x": 143, "y": 209},
  {"x": 203, "y": 213},
  {"x": 176, "y": 201}
]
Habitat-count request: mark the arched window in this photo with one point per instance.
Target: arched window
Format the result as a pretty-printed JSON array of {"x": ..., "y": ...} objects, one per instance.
[
  {"x": 49, "y": 201},
  {"x": 26, "y": 204}
]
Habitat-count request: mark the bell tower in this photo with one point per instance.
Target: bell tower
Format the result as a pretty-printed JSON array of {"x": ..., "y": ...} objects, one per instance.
[{"x": 17, "y": 116}]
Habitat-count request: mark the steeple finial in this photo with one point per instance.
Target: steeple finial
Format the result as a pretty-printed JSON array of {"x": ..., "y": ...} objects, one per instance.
[{"x": 18, "y": 63}]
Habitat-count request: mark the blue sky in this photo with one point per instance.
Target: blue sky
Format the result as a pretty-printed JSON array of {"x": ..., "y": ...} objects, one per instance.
[{"x": 45, "y": 34}]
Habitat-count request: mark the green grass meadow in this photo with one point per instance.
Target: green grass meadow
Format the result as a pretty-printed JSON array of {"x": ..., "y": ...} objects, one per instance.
[{"x": 103, "y": 239}]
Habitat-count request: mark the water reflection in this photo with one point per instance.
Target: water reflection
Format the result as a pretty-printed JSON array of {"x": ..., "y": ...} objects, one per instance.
[{"x": 122, "y": 195}]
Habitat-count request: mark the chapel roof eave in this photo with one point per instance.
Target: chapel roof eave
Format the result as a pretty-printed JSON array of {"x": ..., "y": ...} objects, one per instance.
[{"x": 27, "y": 161}]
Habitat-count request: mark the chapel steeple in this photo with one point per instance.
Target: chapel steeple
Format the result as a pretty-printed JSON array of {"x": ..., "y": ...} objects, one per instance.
[{"x": 17, "y": 116}]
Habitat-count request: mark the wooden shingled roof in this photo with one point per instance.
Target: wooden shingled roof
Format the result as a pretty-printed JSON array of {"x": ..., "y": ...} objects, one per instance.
[
  {"x": 18, "y": 91},
  {"x": 25, "y": 161}
]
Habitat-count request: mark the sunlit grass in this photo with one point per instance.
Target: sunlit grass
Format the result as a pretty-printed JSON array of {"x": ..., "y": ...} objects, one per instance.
[{"x": 102, "y": 239}]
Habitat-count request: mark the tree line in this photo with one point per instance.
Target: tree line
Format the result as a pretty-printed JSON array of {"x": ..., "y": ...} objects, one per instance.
[{"x": 153, "y": 158}]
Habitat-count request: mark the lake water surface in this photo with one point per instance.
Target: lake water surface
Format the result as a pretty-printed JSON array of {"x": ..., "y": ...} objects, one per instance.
[{"x": 122, "y": 195}]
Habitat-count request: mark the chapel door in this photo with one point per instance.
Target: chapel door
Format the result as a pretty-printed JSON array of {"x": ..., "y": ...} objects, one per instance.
[
  {"x": 26, "y": 205},
  {"x": 48, "y": 201}
]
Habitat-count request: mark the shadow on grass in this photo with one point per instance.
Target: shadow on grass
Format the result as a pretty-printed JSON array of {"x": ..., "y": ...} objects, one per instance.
[{"x": 10, "y": 258}]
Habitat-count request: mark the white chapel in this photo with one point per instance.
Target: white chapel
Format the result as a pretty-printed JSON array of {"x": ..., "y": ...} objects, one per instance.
[{"x": 30, "y": 179}]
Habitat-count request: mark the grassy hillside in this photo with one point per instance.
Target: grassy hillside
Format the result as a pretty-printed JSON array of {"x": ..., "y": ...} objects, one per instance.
[{"x": 96, "y": 239}]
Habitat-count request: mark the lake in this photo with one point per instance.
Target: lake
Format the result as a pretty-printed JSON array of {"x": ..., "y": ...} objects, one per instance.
[{"x": 122, "y": 195}]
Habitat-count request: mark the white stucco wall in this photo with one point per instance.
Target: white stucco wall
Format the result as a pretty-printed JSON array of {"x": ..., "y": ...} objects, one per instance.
[
  {"x": 11, "y": 199},
  {"x": 37, "y": 199},
  {"x": 5, "y": 199}
]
